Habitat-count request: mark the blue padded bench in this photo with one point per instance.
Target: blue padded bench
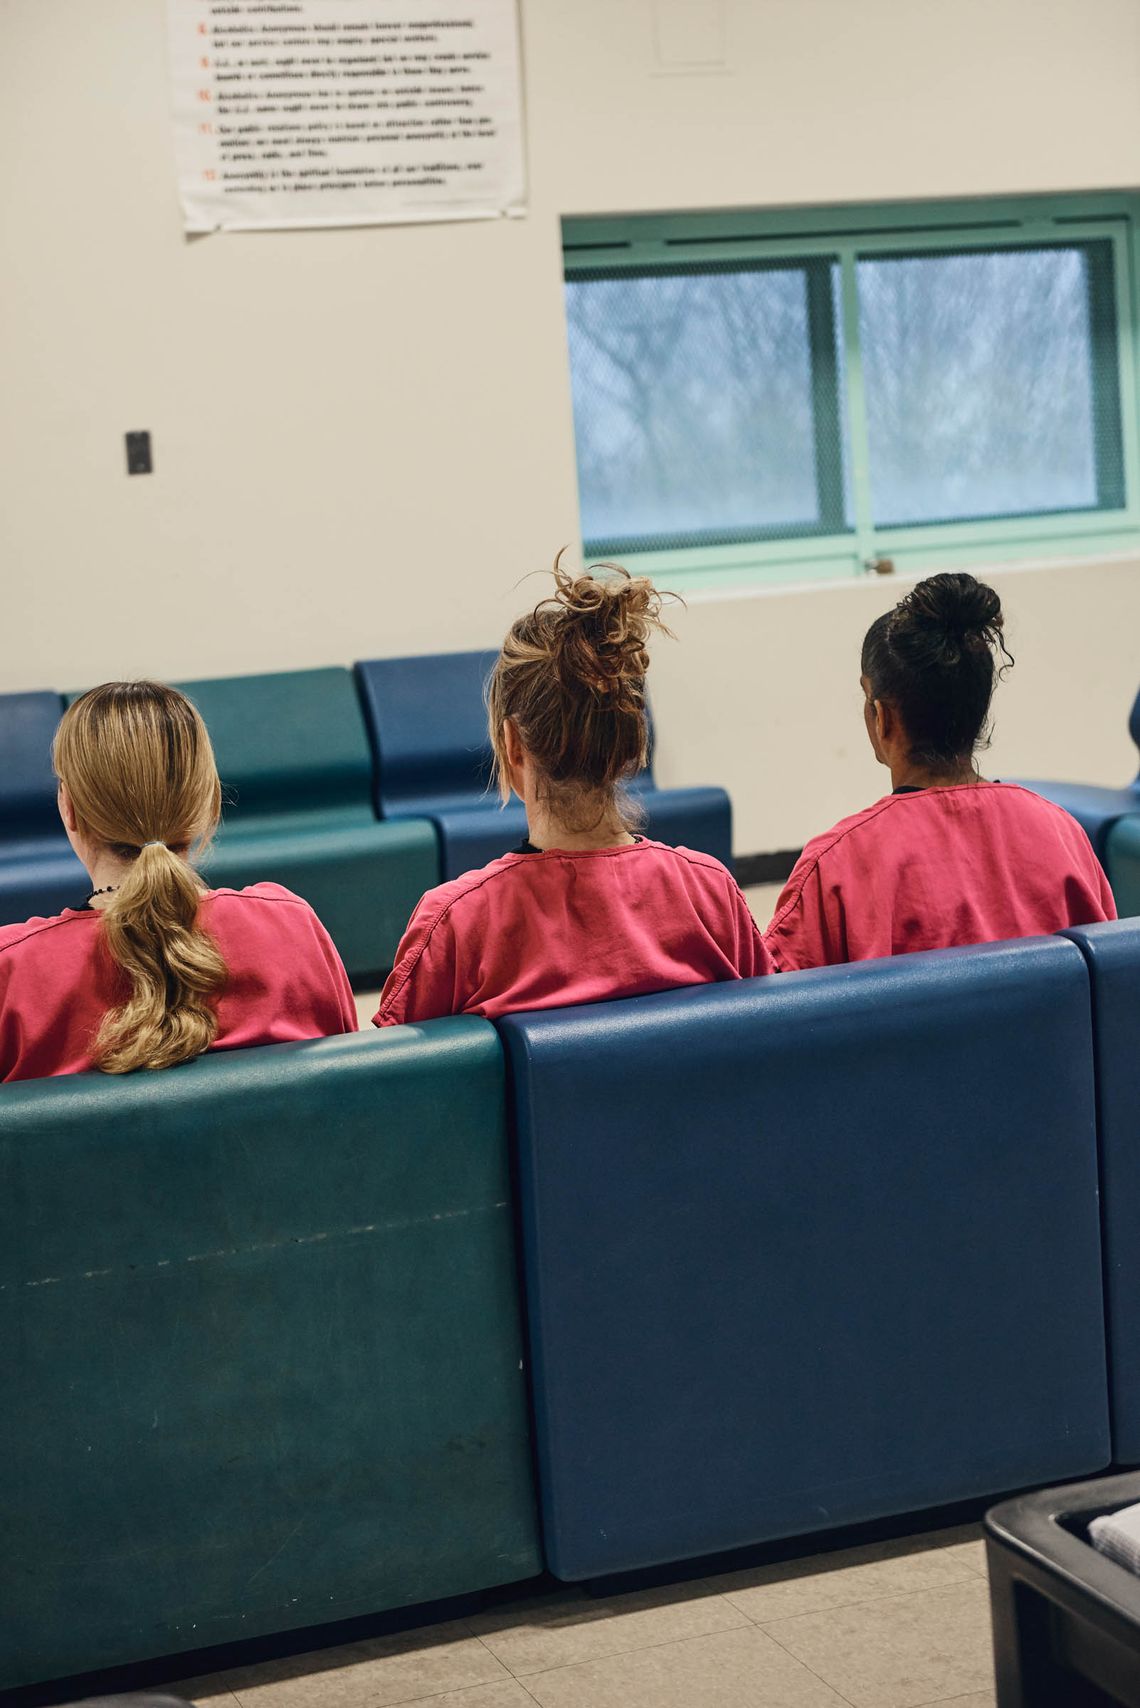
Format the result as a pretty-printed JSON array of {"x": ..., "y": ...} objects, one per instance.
[
  {"x": 259, "y": 1332},
  {"x": 39, "y": 875},
  {"x": 809, "y": 1250},
  {"x": 296, "y": 765},
  {"x": 428, "y": 725},
  {"x": 1095, "y": 809},
  {"x": 1112, "y": 951}
]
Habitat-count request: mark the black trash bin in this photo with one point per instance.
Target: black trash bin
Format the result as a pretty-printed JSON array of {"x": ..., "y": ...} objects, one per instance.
[{"x": 1066, "y": 1619}]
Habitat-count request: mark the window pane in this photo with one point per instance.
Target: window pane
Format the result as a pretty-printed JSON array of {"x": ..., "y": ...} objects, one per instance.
[
  {"x": 990, "y": 381},
  {"x": 705, "y": 404}
]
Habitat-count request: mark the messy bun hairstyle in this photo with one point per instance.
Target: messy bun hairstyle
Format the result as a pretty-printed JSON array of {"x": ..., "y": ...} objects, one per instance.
[
  {"x": 137, "y": 764},
  {"x": 571, "y": 677},
  {"x": 933, "y": 658}
]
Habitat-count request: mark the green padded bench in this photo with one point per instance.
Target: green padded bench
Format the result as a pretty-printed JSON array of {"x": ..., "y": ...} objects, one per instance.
[
  {"x": 260, "y": 1339},
  {"x": 1123, "y": 862},
  {"x": 296, "y": 768}
]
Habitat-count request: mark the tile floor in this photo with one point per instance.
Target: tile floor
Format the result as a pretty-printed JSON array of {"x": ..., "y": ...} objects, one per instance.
[
  {"x": 761, "y": 899},
  {"x": 900, "y": 1624}
]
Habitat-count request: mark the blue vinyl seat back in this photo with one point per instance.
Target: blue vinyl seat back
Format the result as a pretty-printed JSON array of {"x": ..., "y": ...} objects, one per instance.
[
  {"x": 1096, "y": 809},
  {"x": 1112, "y": 951},
  {"x": 809, "y": 1250},
  {"x": 260, "y": 1337},
  {"x": 428, "y": 721},
  {"x": 38, "y": 872},
  {"x": 28, "y": 723}
]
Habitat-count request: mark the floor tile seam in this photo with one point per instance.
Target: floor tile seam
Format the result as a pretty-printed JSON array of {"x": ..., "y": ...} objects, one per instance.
[
  {"x": 430, "y": 1695},
  {"x": 949, "y": 1701},
  {"x": 857, "y": 1601},
  {"x": 869, "y": 1601},
  {"x": 635, "y": 1649},
  {"x": 826, "y": 1682}
]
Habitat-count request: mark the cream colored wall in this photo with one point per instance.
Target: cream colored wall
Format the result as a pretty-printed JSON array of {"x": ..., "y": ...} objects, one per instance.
[{"x": 363, "y": 438}]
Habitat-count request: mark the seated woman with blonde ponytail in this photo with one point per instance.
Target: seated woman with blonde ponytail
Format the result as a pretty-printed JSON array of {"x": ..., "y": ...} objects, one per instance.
[
  {"x": 586, "y": 908},
  {"x": 154, "y": 968}
]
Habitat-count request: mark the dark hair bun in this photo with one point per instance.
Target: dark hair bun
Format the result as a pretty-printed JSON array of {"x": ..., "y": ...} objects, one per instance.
[{"x": 958, "y": 605}]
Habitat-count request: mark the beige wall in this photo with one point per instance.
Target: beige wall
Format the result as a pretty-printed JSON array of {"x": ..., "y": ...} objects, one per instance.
[{"x": 363, "y": 438}]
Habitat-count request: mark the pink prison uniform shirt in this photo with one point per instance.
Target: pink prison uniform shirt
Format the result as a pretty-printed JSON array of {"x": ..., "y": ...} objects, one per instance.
[
  {"x": 547, "y": 930},
  {"x": 971, "y": 864},
  {"x": 57, "y": 981}
]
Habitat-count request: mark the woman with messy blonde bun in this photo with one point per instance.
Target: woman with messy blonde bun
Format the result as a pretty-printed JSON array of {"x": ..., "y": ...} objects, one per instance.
[
  {"x": 154, "y": 968},
  {"x": 588, "y": 907},
  {"x": 947, "y": 857}
]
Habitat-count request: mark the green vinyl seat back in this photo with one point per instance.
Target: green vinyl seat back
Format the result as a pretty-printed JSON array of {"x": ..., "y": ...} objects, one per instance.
[
  {"x": 261, "y": 1350},
  {"x": 1124, "y": 864},
  {"x": 291, "y": 742}
]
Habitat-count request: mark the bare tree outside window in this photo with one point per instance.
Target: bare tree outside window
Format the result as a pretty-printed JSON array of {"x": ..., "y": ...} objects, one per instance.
[
  {"x": 696, "y": 402},
  {"x": 710, "y": 397},
  {"x": 980, "y": 378}
]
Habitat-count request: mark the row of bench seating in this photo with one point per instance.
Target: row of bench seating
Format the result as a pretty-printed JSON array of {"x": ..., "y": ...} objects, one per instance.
[
  {"x": 359, "y": 790},
  {"x": 792, "y": 1253}
]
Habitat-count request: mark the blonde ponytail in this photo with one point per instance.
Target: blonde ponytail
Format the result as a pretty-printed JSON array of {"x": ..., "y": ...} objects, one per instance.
[
  {"x": 136, "y": 761},
  {"x": 150, "y": 927}
]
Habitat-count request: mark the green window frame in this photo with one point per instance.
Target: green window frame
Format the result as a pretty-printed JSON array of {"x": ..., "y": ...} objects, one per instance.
[{"x": 816, "y": 239}]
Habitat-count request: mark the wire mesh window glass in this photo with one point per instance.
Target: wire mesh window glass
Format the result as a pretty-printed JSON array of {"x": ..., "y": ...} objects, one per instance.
[
  {"x": 991, "y": 383},
  {"x": 707, "y": 404}
]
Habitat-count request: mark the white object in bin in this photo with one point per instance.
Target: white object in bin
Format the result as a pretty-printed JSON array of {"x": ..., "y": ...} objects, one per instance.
[{"x": 1117, "y": 1534}]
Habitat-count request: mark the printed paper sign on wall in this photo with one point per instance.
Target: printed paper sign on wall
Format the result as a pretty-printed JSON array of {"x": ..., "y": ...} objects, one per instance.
[{"x": 345, "y": 112}]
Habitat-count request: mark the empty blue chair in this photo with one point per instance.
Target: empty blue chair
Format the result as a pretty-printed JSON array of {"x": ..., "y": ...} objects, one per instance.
[
  {"x": 39, "y": 875},
  {"x": 1095, "y": 809},
  {"x": 428, "y": 725},
  {"x": 805, "y": 1251},
  {"x": 1112, "y": 951}
]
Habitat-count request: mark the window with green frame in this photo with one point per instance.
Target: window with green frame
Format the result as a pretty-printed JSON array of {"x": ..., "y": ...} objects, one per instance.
[{"x": 797, "y": 394}]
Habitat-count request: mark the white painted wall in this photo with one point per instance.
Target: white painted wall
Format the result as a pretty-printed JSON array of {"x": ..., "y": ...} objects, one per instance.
[{"x": 363, "y": 438}]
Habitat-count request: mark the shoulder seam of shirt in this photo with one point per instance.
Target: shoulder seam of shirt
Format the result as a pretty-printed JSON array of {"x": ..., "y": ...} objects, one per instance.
[
  {"x": 37, "y": 931},
  {"x": 704, "y": 860},
  {"x": 244, "y": 895},
  {"x": 861, "y": 818}
]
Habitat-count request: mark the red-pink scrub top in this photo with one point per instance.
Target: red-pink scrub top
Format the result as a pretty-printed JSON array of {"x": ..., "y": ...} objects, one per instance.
[
  {"x": 930, "y": 868},
  {"x": 57, "y": 981},
  {"x": 544, "y": 930}
]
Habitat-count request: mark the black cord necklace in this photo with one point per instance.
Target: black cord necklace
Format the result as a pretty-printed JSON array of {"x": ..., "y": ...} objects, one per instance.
[{"x": 107, "y": 890}]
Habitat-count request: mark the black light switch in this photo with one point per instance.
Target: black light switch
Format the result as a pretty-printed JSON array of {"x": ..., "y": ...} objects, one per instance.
[{"x": 138, "y": 453}]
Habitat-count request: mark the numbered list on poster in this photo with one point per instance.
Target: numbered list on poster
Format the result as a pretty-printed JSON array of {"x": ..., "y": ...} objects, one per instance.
[{"x": 345, "y": 112}]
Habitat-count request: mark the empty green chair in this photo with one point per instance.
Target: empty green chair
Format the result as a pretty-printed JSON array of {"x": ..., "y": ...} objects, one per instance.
[
  {"x": 260, "y": 1338},
  {"x": 296, "y": 768}
]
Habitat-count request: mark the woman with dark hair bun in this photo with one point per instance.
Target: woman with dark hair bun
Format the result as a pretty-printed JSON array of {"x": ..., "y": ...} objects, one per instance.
[
  {"x": 946, "y": 857},
  {"x": 587, "y": 908}
]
